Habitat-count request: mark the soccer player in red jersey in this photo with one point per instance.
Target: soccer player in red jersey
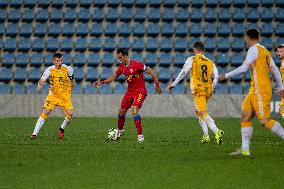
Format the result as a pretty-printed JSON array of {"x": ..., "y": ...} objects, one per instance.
[{"x": 136, "y": 93}]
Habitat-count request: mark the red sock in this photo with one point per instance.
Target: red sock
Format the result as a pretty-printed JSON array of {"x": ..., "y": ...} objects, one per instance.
[
  {"x": 138, "y": 124},
  {"x": 120, "y": 121}
]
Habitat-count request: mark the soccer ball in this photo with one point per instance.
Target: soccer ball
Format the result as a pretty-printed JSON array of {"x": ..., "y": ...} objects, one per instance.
[{"x": 113, "y": 134}]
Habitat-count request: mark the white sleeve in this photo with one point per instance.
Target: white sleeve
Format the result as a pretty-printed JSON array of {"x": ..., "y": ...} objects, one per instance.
[
  {"x": 216, "y": 75},
  {"x": 252, "y": 55},
  {"x": 241, "y": 69},
  {"x": 184, "y": 71},
  {"x": 45, "y": 74},
  {"x": 276, "y": 73},
  {"x": 70, "y": 72}
]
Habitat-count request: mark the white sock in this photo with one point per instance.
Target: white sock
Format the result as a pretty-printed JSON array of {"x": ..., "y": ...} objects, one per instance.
[
  {"x": 283, "y": 116},
  {"x": 211, "y": 124},
  {"x": 203, "y": 126},
  {"x": 246, "y": 136},
  {"x": 278, "y": 129},
  {"x": 38, "y": 126},
  {"x": 65, "y": 123}
]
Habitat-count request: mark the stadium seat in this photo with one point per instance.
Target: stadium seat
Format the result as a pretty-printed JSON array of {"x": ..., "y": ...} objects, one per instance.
[
  {"x": 52, "y": 44},
  {"x": 27, "y": 15},
  {"x": 196, "y": 15},
  {"x": 71, "y": 3},
  {"x": 66, "y": 44},
  {"x": 77, "y": 89},
  {"x": 166, "y": 44},
  {"x": 151, "y": 59},
  {"x": 119, "y": 88},
  {"x": 267, "y": 29},
  {"x": 40, "y": 30},
  {"x": 55, "y": 15},
  {"x": 210, "y": 30},
  {"x": 20, "y": 74},
  {"x": 22, "y": 59},
  {"x": 168, "y": 14},
  {"x": 67, "y": 59},
  {"x": 253, "y": 3},
  {"x": 182, "y": 15},
  {"x": 267, "y": 42},
  {"x": 237, "y": 59},
  {"x": 38, "y": 44},
  {"x": 165, "y": 59},
  {"x": 5, "y": 74},
  {"x": 154, "y": 15},
  {"x": 70, "y": 15},
  {"x": 90, "y": 89},
  {"x": 111, "y": 29},
  {"x": 95, "y": 44},
  {"x": 81, "y": 44},
  {"x": 210, "y": 44},
  {"x": 108, "y": 59},
  {"x": 92, "y": 74},
  {"x": 279, "y": 14},
  {"x": 247, "y": 76},
  {"x": 112, "y": 14},
  {"x": 105, "y": 89},
  {"x": 179, "y": 89},
  {"x": 138, "y": 44},
  {"x": 36, "y": 60},
  {"x": 84, "y": 15},
  {"x": 180, "y": 44},
  {"x": 125, "y": 29},
  {"x": 96, "y": 29},
  {"x": 123, "y": 43},
  {"x": 210, "y": 15},
  {"x": 24, "y": 44},
  {"x": 26, "y": 30},
  {"x": 238, "y": 15},
  {"x": 54, "y": 30},
  {"x": 34, "y": 74},
  {"x": 48, "y": 60},
  {"x": 8, "y": 60},
  {"x": 152, "y": 44},
  {"x": 195, "y": 30},
  {"x": 267, "y": 15},
  {"x": 238, "y": 44},
  {"x": 279, "y": 30},
  {"x": 222, "y": 60},
  {"x": 98, "y": 15},
  {"x": 223, "y": 44},
  {"x": 14, "y": 15},
  {"x": 221, "y": 89},
  {"x": 140, "y": 14},
  {"x": 94, "y": 59},
  {"x": 164, "y": 74},
  {"x": 12, "y": 29},
  {"x": 180, "y": 59},
  {"x": 42, "y": 15},
  {"x": 153, "y": 29},
  {"x": 4, "y": 4},
  {"x": 126, "y": 14},
  {"x": 267, "y": 3},
  {"x": 150, "y": 88},
  {"x": 79, "y": 74},
  {"x": 138, "y": 56},
  {"x": 32, "y": 88},
  {"x": 224, "y": 15},
  {"x": 211, "y": 3},
  {"x": 4, "y": 88},
  {"x": 192, "y": 41},
  {"x": 10, "y": 44},
  {"x": 139, "y": 29},
  {"x": 82, "y": 29},
  {"x": 181, "y": 30},
  {"x": 225, "y": 3},
  {"x": 106, "y": 73},
  {"x": 86, "y": 3},
  {"x": 238, "y": 29},
  {"x": 109, "y": 44},
  {"x": 236, "y": 89},
  {"x": 167, "y": 29},
  {"x": 210, "y": 55},
  {"x": 141, "y": 3},
  {"x": 68, "y": 30},
  {"x": 113, "y": 3},
  {"x": 197, "y": 3},
  {"x": 79, "y": 59},
  {"x": 18, "y": 88},
  {"x": 252, "y": 15},
  {"x": 2, "y": 29}
]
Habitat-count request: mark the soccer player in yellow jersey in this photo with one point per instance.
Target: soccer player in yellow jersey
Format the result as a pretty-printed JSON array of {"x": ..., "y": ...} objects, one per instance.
[
  {"x": 61, "y": 83},
  {"x": 201, "y": 86},
  {"x": 280, "y": 52},
  {"x": 260, "y": 63}
]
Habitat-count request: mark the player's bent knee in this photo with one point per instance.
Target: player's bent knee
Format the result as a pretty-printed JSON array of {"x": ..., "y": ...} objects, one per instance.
[
  {"x": 268, "y": 123},
  {"x": 246, "y": 116},
  {"x": 263, "y": 121},
  {"x": 134, "y": 110},
  {"x": 121, "y": 112}
]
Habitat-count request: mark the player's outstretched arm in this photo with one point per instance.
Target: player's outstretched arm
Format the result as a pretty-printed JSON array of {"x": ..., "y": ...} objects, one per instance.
[
  {"x": 277, "y": 77},
  {"x": 154, "y": 76},
  {"x": 108, "y": 80},
  {"x": 39, "y": 85},
  {"x": 241, "y": 69}
]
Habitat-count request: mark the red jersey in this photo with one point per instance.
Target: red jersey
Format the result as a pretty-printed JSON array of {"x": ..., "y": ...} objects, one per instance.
[{"x": 134, "y": 74}]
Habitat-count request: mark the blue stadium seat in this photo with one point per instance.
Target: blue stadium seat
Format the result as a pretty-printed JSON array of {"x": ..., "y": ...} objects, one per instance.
[
  {"x": 167, "y": 29},
  {"x": 18, "y": 88},
  {"x": 279, "y": 30},
  {"x": 84, "y": 15},
  {"x": 95, "y": 44},
  {"x": 238, "y": 29},
  {"x": 43, "y": 3},
  {"x": 105, "y": 89},
  {"x": 210, "y": 15},
  {"x": 224, "y": 30},
  {"x": 22, "y": 59},
  {"x": 141, "y": 3},
  {"x": 169, "y": 3},
  {"x": 279, "y": 40},
  {"x": 127, "y": 3},
  {"x": 153, "y": 29},
  {"x": 165, "y": 59},
  {"x": 108, "y": 59},
  {"x": 267, "y": 3},
  {"x": 223, "y": 44},
  {"x": 119, "y": 88},
  {"x": 24, "y": 44},
  {"x": 196, "y": 15},
  {"x": 79, "y": 74},
  {"x": 139, "y": 29},
  {"x": 210, "y": 55},
  {"x": 10, "y": 44},
  {"x": 238, "y": 15},
  {"x": 267, "y": 29},
  {"x": 222, "y": 60},
  {"x": 267, "y": 42},
  {"x": 140, "y": 14},
  {"x": 12, "y": 29},
  {"x": 176, "y": 72},
  {"x": 155, "y": 3},
  {"x": 82, "y": 29},
  {"x": 237, "y": 59},
  {"x": 81, "y": 44},
  {"x": 166, "y": 44},
  {"x": 180, "y": 59},
  {"x": 110, "y": 29},
  {"x": 210, "y": 29},
  {"x": 67, "y": 59},
  {"x": 42, "y": 15},
  {"x": 3, "y": 15},
  {"x": 5, "y": 74},
  {"x": 138, "y": 57},
  {"x": 182, "y": 15},
  {"x": 279, "y": 3},
  {"x": 211, "y": 3},
  {"x": 34, "y": 74},
  {"x": 98, "y": 15},
  {"x": 237, "y": 78},
  {"x": 150, "y": 88},
  {"x": 197, "y": 3},
  {"x": 126, "y": 14},
  {"x": 54, "y": 30},
  {"x": 222, "y": 89},
  {"x": 79, "y": 59},
  {"x": 40, "y": 30},
  {"x": 113, "y": 3},
  {"x": 252, "y": 15},
  {"x": 195, "y": 29},
  {"x": 138, "y": 44},
  {"x": 224, "y": 15},
  {"x": 8, "y": 59},
  {"x": 90, "y": 89},
  {"x": 164, "y": 74},
  {"x": 179, "y": 89},
  {"x": 152, "y": 44},
  {"x": 92, "y": 74},
  {"x": 238, "y": 44},
  {"x": 20, "y": 74},
  {"x": 151, "y": 59},
  {"x": 66, "y": 44},
  {"x": 168, "y": 14},
  {"x": 38, "y": 44},
  {"x": 236, "y": 89},
  {"x": 154, "y": 15},
  {"x": 26, "y": 30},
  {"x": 68, "y": 30},
  {"x": 192, "y": 41},
  {"x": 247, "y": 76},
  {"x": 28, "y": 15},
  {"x": 109, "y": 44},
  {"x": 5, "y": 88},
  {"x": 77, "y": 89},
  {"x": 96, "y": 29},
  {"x": 86, "y": 3},
  {"x": 106, "y": 73},
  {"x": 14, "y": 15},
  {"x": 125, "y": 29},
  {"x": 55, "y": 15},
  {"x": 70, "y": 15},
  {"x": 225, "y": 3},
  {"x": 36, "y": 60},
  {"x": 4, "y": 4},
  {"x": 48, "y": 60},
  {"x": 123, "y": 43},
  {"x": 210, "y": 44},
  {"x": 181, "y": 30},
  {"x": 267, "y": 15},
  {"x": 94, "y": 60},
  {"x": 180, "y": 44},
  {"x": 253, "y": 3},
  {"x": 58, "y": 3},
  {"x": 52, "y": 44},
  {"x": 32, "y": 88},
  {"x": 112, "y": 14}
]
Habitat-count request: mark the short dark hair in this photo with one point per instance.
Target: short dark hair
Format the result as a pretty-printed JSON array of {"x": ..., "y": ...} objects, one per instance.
[
  {"x": 280, "y": 46},
  {"x": 199, "y": 46},
  {"x": 253, "y": 33},
  {"x": 57, "y": 55},
  {"x": 123, "y": 51}
]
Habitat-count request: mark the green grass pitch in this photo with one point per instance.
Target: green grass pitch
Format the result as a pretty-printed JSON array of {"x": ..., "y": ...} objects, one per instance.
[{"x": 171, "y": 156}]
